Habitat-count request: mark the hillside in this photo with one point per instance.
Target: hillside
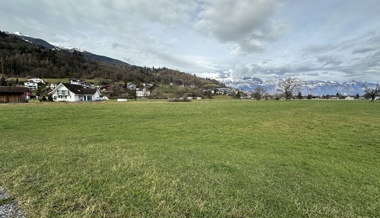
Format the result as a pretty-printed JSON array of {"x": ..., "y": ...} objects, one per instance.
[{"x": 24, "y": 56}]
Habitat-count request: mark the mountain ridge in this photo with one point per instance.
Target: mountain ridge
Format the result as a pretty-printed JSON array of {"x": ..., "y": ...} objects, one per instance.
[
  {"x": 25, "y": 56},
  {"x": 312, "y": 87},
  {"x": 87, "y": 54}
]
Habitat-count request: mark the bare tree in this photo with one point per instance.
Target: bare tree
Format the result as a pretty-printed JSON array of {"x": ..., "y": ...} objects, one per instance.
[
  {"x": 288, "y": 87},
  {"x": 371, "y": 92},
  {"x": 259, "y": 92}
]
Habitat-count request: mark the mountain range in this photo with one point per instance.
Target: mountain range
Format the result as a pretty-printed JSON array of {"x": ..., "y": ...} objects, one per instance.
[{"x": 312, "y": 87}]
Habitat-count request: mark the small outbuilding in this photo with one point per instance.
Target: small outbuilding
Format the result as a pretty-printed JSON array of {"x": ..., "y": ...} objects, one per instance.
[{"x": 10, "y": 94}]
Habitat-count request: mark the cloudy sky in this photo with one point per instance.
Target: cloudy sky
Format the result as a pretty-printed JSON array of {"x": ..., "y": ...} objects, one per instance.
[{"x": 270, "y": 39}]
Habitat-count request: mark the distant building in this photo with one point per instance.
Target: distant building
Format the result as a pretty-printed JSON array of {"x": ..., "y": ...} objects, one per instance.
[
  {"x": 142, "y": 93},
  {"x": 31, "y": 85},
  {"x": 9, "y": 94},
  {"x": 75, "y": 81},
  {"x": 80, "y": 82},
  {"x": 36, "y": 80},
  {"x": 131, "y": 86}
]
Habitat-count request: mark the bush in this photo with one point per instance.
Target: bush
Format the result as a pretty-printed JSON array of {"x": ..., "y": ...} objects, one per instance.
[{"x": 179, "y": 100}]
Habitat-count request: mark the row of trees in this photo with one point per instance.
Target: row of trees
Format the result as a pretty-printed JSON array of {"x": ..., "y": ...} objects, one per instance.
[{"x": 290, "y": 86}]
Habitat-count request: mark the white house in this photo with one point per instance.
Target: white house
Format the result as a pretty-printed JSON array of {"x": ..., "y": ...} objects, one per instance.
[
  {"x": 80, "y": 82},
  {"x": 71, "y": 93},
  {"x": 36, "y": 80},
  {"x": 142, "y": 93},
  {"x": 31, "y": 85}
]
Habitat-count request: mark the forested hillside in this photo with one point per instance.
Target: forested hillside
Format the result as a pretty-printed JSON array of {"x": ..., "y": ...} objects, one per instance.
[{"x": 19, "y": 57}]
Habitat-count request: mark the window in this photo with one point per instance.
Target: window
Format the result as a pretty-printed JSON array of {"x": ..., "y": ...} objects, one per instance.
[{"x": 62, "y": 92}]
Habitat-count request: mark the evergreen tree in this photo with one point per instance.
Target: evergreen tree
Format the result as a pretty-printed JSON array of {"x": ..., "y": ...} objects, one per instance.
[
  {"x": 3, "y": 82},
  {"x": 357, "y": 96},
  {"x": 238, "y": 95},
  {"x": 299, "y": 96}
]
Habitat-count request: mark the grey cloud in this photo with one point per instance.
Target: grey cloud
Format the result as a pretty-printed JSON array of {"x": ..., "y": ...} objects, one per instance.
[
  {"x": 162, "y": 11},
  {"x": 329, "y": 60},
  {"x": 366, "y": 43},
  {"x": 317, "y": 49},
  {"x": 115, "y": 45},
  {"x": 174, "y": 61},
  {"x": 97, "y": 16},
  {"x": 313, "y": 74},
  {"x": 353, "y": 58},
  {"x": 363, "y": 50},
  {"x": 247, "y": 23},
  {"x": 326, "y": 73},
  {"x": 369, "y": 65}
]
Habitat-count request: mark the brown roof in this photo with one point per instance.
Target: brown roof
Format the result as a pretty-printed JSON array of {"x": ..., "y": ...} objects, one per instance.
[
  {"x": 77, "y": 89},
  {"x": 12, "y": 89}
]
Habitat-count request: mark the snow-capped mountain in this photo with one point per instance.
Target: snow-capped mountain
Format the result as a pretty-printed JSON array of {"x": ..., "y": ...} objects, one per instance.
[{"x": 313, "y": 87}]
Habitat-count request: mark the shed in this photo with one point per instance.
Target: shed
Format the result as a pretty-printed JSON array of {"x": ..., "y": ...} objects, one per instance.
[{"x": 10, "y": 94}]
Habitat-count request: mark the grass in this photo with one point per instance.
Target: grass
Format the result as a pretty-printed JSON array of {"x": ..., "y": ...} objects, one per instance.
[{"x": 218, "y": 158}]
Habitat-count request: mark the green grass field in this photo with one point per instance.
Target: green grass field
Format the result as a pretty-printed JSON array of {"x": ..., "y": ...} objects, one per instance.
[{"x": 218, "y": 158}]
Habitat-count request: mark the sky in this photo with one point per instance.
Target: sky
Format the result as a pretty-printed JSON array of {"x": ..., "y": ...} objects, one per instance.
[{"x": 270, "y": 39}]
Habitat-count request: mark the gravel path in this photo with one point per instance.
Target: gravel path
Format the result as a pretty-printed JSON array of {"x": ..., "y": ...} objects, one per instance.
[{"x": 9, "y": 207}]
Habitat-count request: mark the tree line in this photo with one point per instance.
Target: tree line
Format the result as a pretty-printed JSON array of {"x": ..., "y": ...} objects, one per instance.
[{"x": 289, "y": 89}]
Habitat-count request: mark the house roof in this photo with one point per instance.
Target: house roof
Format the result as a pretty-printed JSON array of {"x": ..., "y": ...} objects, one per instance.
[
  {"x": 78, "y": 89},
  {"x": 11, "y": 89}
]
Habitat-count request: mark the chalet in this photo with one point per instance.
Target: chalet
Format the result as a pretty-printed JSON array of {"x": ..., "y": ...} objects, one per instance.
[
  {"x": 9, "y": 94},
  {"x": 72, "y": 93}
]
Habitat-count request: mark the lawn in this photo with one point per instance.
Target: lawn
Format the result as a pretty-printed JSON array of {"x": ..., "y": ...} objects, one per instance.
[{"x": 207, "y": 158}]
